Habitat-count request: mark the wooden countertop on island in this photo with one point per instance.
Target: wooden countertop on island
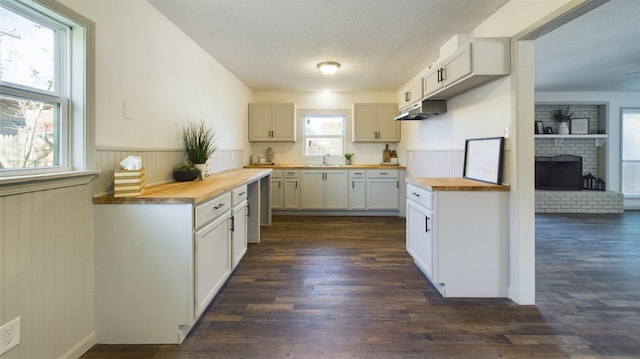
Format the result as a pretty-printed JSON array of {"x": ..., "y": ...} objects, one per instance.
[
  {"x": 455, "y": 184},
  {"x": 193, "y": 191},
  {"x": 330, "y": 166}
]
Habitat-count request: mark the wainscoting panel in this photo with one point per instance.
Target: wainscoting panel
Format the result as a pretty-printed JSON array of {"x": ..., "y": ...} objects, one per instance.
[
  {"x": 158, "y": 164},
  {"x": 46, "y": 270},
  {"x": 435, "y": 163}
]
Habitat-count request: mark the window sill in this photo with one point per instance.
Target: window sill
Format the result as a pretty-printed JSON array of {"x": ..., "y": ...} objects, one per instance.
[{"x": 25, "y": 184}]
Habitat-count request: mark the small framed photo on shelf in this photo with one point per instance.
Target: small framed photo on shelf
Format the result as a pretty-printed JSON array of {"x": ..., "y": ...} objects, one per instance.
[
  {"x": 548, "y": 130},
  {"x": 539, "y": 127},
  {"x": 579, "y": 126}
]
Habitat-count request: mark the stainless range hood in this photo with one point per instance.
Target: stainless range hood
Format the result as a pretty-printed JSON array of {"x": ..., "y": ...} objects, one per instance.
[{"x": 423, "y": 110}]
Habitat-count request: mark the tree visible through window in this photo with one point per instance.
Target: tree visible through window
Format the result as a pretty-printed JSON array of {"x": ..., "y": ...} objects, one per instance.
[
  {"x": 631, "y": 152},
  {"x": 323, "y": 134},
  {"x": 33, "y": 98}
]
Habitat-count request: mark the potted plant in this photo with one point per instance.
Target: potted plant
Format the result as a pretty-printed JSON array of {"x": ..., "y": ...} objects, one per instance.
[
  {"x": 347, "y": 157},
  {"x": 197, "y": 138},
  {"x": 186, "y": 172},
  {"x": 563, "y": 115}
]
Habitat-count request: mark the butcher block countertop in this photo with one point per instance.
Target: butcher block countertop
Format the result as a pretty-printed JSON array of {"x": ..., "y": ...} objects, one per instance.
[
  {"x": 455, "y": 184},
  {"x": 311, "y": 167},
  {"x": 193, "y": 191}
]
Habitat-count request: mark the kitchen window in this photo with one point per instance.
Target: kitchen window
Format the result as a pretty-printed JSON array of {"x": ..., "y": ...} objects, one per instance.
[
  {"x": 631, "y": 152},
  {"x": 323, "y": 134},
  {"x": 44, "y": 97}
]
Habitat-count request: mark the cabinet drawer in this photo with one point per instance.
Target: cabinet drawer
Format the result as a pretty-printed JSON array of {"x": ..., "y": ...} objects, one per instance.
[
  {"x": 291, "y": 173},
  {"x": 382, "y": 173},
  {"x": 238, "y": 195},
  {"x": 212, "y": 208},
  {"x": 277, "y": 173},
  {"x": 420, "y": 195},
  {"x": 356, "y": 174}
]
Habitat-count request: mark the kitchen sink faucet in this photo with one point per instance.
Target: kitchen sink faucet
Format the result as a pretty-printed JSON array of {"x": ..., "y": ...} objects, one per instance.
[{"x": 324, "y": 159}]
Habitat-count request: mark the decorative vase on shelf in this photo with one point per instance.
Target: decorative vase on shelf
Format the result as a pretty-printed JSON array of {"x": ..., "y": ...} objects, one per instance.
[{"x": 563, "y": 129}]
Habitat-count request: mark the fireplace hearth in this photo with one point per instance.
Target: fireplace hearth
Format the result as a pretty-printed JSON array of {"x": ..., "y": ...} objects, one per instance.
[{"x": 559, "y": 173}]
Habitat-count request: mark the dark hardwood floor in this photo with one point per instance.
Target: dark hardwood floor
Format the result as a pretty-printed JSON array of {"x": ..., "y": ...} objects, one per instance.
[{"x": 334, "y": 287}]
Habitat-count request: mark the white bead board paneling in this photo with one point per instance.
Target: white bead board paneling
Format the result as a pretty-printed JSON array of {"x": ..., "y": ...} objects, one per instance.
[
  {"x": 158, "y": 164},
  {"x": 435, "y": 163},
  {"x": 47, "y": 270}
]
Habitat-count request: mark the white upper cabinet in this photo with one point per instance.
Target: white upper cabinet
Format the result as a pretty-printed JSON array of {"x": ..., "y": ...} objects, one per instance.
[
  {"x": 411, "y": 93},
  {"x": 373, "y": 122},
  {"x": 478, "y": 62},
  {"x": 272, "y": 122}
]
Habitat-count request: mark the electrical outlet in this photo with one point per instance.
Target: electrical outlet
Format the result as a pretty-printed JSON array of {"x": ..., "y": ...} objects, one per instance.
[{"x": 9, "y": 335}]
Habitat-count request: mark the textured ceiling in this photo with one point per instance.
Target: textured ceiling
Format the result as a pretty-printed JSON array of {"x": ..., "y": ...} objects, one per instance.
[
  {"x": 599, "y": 51},
  {"x": 275, "y": 45}
]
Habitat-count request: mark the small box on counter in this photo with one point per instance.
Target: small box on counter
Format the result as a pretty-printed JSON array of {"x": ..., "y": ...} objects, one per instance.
[{"x": 128, "y": 183}]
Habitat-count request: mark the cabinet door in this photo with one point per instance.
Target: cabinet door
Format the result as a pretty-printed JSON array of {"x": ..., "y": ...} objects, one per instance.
[
  {"x": 312, "y": 194},
  {"x": 364, "y": 122},
  {"x": 432, "y": 81},
  {"x": 212, "y": 261},
  {"x": 382, "y": 193},
  {"x": 277, "y": 194},
  {"x": 420, "y": 237},
  {"x": 239, "y": 233},
  {"x": 336, "y": 189},
  {"x": 458, "y": 66},
  {"x": 291, "y": 194},
  {"x": 388, "y": 129},
  {"x": 283, "y": 124},
  {"x": 357, "y": 199},
  {"x": 259, "y": 122}
]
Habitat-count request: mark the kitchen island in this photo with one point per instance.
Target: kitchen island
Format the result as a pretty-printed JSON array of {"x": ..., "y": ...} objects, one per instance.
[
  {"x": 457, "y": 234},
  {"x": 162, "y": 256}
]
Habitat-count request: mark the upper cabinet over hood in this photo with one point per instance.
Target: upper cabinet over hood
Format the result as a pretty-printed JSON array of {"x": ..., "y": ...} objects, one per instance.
[{"x": 475, "y": 63}]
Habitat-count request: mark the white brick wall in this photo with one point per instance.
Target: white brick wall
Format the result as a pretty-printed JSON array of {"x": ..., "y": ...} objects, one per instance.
[
  {"x": 574, "y": 201},
  {"x": 578, "y": 202},
  {"x": 544, "y": 113}
]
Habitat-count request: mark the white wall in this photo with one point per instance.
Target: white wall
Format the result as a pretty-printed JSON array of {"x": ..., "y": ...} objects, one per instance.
[
  {"x": 336, "y": 102},
  {"x": 161, "y": 77},
  {"x": 46, "y": 237}
]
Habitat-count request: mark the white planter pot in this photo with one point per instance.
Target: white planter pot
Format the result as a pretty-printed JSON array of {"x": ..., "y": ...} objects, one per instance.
[{"x": 563, "y": 129}]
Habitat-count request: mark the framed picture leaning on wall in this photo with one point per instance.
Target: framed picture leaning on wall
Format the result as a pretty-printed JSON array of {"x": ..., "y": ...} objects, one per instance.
[
  {"x": 539, "y": 127},
  {"x": 579, "y": 126}
]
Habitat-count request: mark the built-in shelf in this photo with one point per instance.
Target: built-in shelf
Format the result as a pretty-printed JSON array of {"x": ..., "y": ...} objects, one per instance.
[{"x": 599, "y": 139}]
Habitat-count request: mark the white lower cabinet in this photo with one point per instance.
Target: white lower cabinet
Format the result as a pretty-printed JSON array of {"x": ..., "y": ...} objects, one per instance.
[
  {"x": 239, "y": 222},
  {"x": 159, "y": 265},
  {"x": 277, "y": 189},
  {"x": 285, "y": 189},
  {"x": 458, "y": 239},
  {"x": 324, "y": 189},
  {"x": 212, "y": 249},
  {"x": 357, "y": 190},
  {"x": 383, "y": 188}
]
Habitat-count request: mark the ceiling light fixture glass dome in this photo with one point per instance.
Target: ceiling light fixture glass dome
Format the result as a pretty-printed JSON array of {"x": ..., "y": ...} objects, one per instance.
[{"x": 328, "y": 67}]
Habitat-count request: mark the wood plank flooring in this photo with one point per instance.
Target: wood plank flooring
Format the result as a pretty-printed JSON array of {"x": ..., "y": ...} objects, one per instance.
[{"x": 332, "y": 287}]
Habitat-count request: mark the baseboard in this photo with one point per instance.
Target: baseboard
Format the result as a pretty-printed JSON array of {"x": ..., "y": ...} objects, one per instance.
[{"x": 80, "y": 348}]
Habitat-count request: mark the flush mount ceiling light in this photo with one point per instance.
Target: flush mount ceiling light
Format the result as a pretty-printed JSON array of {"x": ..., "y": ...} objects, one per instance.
[{"x": 328, "y": 67}]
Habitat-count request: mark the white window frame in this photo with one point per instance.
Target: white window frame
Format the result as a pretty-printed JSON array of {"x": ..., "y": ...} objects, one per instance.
[
  {"x": 323, "y": 113},
  {"x": 624, "y": 111},
  {"x": 79, "y": 144}
]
